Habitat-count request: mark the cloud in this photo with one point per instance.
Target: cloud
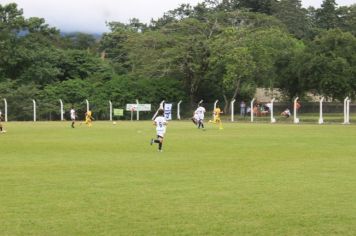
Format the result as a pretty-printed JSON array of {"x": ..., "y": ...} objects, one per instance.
[{"x": 91, "y": 15}]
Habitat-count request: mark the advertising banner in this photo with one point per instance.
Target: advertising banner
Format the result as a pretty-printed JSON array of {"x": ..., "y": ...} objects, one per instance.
[
  {"x": 168, "y": 111},
  {"x": 138, "y": 107}
]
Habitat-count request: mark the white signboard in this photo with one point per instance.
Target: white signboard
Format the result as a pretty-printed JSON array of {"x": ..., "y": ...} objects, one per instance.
[
  {"x": 138, "y": 107},
  {"x": 168, "y": 111}
]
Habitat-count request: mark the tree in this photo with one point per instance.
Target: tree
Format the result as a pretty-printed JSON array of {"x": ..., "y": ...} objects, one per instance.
[
  {"x": 326, "y": 15},
  {"x": 291, "y": 13},
  {"x": 347, "y": 18},
  {"x": 112, "y": 45},
  {"x": 329, "y": 65},
  {"x": 81, "y": 41}
]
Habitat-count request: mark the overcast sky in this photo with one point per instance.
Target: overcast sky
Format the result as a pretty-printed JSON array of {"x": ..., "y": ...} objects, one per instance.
[{"x": 90, "y": 15}]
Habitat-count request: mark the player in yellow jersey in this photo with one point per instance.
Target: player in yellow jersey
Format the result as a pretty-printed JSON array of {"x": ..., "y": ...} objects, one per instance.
[
  {"x": 88, "y": 118},
  {"x": 217, "y": 119}
]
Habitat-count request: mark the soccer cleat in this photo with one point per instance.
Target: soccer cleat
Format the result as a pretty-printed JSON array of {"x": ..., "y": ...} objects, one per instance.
[{"x": 151, "y": 142}]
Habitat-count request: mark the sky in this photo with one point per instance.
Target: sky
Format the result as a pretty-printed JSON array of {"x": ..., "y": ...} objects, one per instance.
[{"x": 90, "y": 15}]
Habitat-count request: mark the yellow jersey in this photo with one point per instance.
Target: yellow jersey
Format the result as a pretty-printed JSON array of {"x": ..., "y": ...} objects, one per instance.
[
  {"x": 217, "y": 112},
  {"x": 88, "y": 115}
]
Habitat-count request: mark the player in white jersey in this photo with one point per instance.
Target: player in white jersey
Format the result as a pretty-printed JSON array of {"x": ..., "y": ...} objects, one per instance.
[
  {"x": 195, "y": 118},
  {"x": 72, "y": 116},
  {"x": 161, "y": 123},
  {"x": 200, "y": 112}
]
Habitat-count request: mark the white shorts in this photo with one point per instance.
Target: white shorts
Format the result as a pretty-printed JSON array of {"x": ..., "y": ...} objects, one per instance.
[
  {"x": 72, "y": 117},
  {"x": 160, "y": 133}
]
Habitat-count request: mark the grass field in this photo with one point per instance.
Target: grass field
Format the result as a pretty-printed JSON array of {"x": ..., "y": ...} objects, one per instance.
[{"x": 248, "y": 179}]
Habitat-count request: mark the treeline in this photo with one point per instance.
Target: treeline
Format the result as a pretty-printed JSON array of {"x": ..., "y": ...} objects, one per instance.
[{"x": 218, "y": 49}]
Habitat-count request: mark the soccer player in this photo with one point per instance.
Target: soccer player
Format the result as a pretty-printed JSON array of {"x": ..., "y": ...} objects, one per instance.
[
  {"x": 2, "y": 130},
  {"x": 161, "y": 123},
  {"x": 200, "y": 111},
  {"x": 195, "y": 118},
  {"x": 72, "y": 116},
  {"x": 88, "y": 118},
  {"x": 217, "y": 119}
]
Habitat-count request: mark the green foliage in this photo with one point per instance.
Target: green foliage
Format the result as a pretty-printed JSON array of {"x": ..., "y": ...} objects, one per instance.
[
  {"x": 214, "y": 50},
  {"x": 19, "y": 97},
  {"x": 291, "y": 13},
  {"x": 326, "y": 15},
  {"x": 330, "y": 64}
]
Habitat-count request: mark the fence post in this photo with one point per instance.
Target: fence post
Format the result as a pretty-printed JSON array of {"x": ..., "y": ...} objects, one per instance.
[
  {"x": 348, "y": 110},
  {"x": 87, "y": 102},
  {"x": 200, "y": 102},
  {"x": 5, "y": 103},
  {"x": 137, "y": 111},
  {"x": 295, "y": 120},
  {"x": 178, "y": 109},
  {"x": 345, "y": 111},
  {"x": 61, "y": 110},
  {"x": 110, "y": 109},
  {"x": 232, "y": 110},
  {"x": 160, "y": 107},
  {"x": 321, "y": 120},
  {"x": 34, "y": 110},
  {"x": 215, "y": 108},
  {"x": 273, "y": 120},
  {"x": 251, "y": 108}
]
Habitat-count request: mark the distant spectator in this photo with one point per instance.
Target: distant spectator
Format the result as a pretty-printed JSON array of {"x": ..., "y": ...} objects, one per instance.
[
  {"x": 248, "y": 111},
  {"x": 286, "y": 113},
  {"x": 297, "y": 105},
  {"x": 242, "y": 108},
  {"x": 255, "y": 110},
  {"x": 268, "y": 107}
]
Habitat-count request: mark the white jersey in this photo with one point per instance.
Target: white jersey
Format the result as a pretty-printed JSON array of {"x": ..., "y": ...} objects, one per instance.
[
  {"x": 161, "y": 124},
  {"x": 72, "y": 114},
  {"x": 196, "y": 116},
  {"x": 200, "y": 111}
]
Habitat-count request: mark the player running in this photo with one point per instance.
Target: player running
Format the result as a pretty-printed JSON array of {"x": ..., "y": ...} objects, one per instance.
[
  {"x": 88, "y": 118},
  {"x": 73, "y": 116},
  {"x": 200, "y": 111},
  {"x": 161, "y": 123},
  {"x": 217, "y": 119},
  {"x": 195, "y": 117}
]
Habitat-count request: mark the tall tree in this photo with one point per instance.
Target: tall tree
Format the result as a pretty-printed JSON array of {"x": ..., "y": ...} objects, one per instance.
[
  {"x": 291, "y": 13},
  {"x": 327, "y": 15},
  {"x": 328, "y": 64},
  {"x": 347, "y": 18}
]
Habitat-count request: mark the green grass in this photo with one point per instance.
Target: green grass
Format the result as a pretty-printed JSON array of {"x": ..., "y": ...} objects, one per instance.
[{"x": 248, "y": 179}]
